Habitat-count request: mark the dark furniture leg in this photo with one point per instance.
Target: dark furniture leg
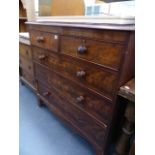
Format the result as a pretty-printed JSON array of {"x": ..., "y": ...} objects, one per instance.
[
  {"x": 22, "y": 83},
  {"x": 40, "y": 102},
  {"x": 99, "y": 152}
]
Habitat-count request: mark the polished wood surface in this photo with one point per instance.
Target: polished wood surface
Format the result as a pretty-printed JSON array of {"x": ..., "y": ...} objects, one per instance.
[
  {"x": 25, "y": 61},
  {"x": 25, "y": 51},
  {"x": 78, "y": 72},
  {"x": 90, "y": 102},
  {"x": 96, "y": 34},
  {"x": 93, "y": 77},
  {"x": 106, "y": 54},
  {"x": 26, "y": 65},
  {"x": 128, "y": 67},
  {"x": 45, "y": 40},
  {"x": 75, "y": 116},
  {"x": 103, "y": 33},
  {"x": 128, "y": 90}
]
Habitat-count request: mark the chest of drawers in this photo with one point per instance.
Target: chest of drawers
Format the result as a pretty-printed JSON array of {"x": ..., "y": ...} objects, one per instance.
[
  {"x": 25, "y": 60},
  {"x": 78, "y": 70}
]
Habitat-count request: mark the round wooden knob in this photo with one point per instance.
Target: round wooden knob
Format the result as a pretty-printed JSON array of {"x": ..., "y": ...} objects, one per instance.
[
  {"x": 46, "y": 93},
  {"x": 42, "y": 57},
  {"x": 40, "y": 39},
  {"x": 80, "y": 99},
  {"x": 80, "y": 73},
  {"x": 82, "y": 49}
]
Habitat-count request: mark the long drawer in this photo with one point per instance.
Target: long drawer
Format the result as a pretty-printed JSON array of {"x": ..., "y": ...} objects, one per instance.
[
  {"x": 86, "y": 125},
  {"x": 97, "y": 106},
  {"x": 106, "y": 54},
  {"x": 105, "y": 35},
  {"x": 94, "y": 77}
]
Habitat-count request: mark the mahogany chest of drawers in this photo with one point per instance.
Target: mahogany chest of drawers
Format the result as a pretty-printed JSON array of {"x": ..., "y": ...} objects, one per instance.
[
  {"x": 25, "y": 60},
  {"x": 78, "y": 70}
]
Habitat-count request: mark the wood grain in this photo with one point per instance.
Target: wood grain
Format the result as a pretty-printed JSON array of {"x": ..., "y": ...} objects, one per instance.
[
  {"x": 25, "y": 51},
  {"x": 79, "y": 74},
  {"x": 49, "y": 41},
  {"x": 87, "y": 125},
  {"x": 93, "y": 103},
  {"x": 95, "y": 77},
  {"x": 97, "y": 52}
]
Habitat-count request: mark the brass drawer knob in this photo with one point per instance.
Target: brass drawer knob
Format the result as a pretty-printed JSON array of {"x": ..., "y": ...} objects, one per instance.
[
  {"x": 46, "y": 93},
  {"x": 80, "y": 99},
  {"x": 80, "y": 73},
  {"x": 40, "y": 39},
  {"x": 82, "y": 49}
]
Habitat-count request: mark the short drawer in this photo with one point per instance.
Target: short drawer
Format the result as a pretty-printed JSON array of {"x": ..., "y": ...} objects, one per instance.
[
  {"x": 25, "y": 50},
  {"x": 81, "y": 121},
  {"x": 92, "y": 76},
  {"x": 89, "y": 102},
  {"x": 44, "y": 40},
  {"x": 26, "y": 65},
  {"x": 106, "y": 54}
]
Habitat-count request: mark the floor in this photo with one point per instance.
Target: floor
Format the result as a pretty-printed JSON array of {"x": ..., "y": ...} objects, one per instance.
[{"x": 42, "y": 133}]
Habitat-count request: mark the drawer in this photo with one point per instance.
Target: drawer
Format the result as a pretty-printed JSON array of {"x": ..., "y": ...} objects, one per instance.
[
  {"x": 98, "y": 34},
  {"x": 81, "y": 121},
  {"x": 29, "y": 78},
  {"x": 105, "y": 35},
  {"x": 25, "y": 51},
  {"x": 26, "y": 65},
  {"x": 44, "y": 40},
  {"x": 89, "y": 102},
  {"x": 106, "y": 54},
  {"x": 94, "y": 77}
]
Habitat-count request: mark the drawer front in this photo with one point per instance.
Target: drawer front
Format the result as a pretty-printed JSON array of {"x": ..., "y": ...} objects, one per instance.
[
  {"x": 25, "y": 51},
  {"x": 29, "y": 78},
  {"x": 26, "y": 65},
  {"x": 98, "y": 34},
  {"x": 44, "y": 40},
  {"x": 43, "y": 28},
  {"x": 89, "y": 102},
  {"x": 105, "y": 35},
  {"x": 93, "y": 76},
  {"x": 78, "y": 119},
  {"x": 106, "y": 54}
]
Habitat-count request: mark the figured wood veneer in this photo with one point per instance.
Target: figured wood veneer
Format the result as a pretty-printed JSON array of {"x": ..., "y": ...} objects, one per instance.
[{"x": 78, "y": 71}]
